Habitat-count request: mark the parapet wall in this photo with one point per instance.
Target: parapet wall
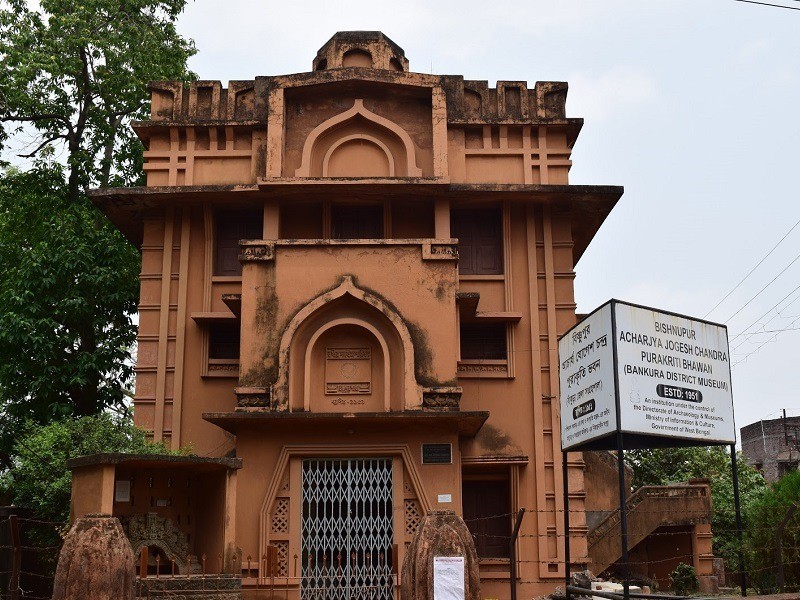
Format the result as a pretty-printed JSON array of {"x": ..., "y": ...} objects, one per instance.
[{"x": 467, "y": 101}]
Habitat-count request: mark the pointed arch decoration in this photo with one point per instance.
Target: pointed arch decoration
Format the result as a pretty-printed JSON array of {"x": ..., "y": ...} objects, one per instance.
[
  {"x": 412, "y": 390},
  {"x": 359, "y": 110}
]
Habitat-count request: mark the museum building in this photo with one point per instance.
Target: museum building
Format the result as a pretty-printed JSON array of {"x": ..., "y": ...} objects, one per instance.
[{"x": 353, "y": 282}]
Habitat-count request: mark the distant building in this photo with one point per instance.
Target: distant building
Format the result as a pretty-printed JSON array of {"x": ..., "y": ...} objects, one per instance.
[{"x": 772, "y": 446}]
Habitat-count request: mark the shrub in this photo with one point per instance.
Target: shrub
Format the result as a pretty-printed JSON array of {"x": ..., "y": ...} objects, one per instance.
[{"x": 683, "y": 579}]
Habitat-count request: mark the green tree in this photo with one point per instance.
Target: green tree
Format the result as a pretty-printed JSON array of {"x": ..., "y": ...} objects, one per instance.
[
  {"x": 74, "y": 75},
  {"x": 764, "y": 516},
  {"x": 67, "y": 290},
  {"x": 76, "y": 72},
  {"x": 39, "y": 478},
  {"x": 675, "y": 465}
]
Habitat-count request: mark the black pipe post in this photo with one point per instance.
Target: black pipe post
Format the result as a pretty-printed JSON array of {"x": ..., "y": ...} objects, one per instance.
[
  {"x": 737, "y": 505},
  {"x": 565, "y": 472},
  {"x": 512, "y": 550},
  {"x": 623, "y": 514}
]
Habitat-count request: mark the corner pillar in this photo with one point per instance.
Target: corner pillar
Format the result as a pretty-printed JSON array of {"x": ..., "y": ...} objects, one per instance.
[{"x": 232, "y": 558}]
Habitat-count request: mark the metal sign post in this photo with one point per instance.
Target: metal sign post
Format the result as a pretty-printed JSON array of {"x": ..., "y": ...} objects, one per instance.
[
  {"x": 639, "y": 377},
  {"x": 623, "y": 518},
  {"x": 564, "y": 473},
  {"x": 737, "y": 505}
]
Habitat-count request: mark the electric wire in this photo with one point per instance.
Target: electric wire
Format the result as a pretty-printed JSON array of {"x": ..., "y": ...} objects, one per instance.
[
  {"x": 772, "y": 331},
  {"x": 773, "y": 307},
  {"x": 759, "y": 292},
  {"x": 766, "y": 256},
  {"x": 768, "y": 4},
  {"x": 772, "y": 339}
]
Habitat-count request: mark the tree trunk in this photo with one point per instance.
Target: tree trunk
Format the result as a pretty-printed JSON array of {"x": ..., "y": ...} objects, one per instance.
[
  {"x": 108, "y": 154},
  {"x": 84, "y": 397}
]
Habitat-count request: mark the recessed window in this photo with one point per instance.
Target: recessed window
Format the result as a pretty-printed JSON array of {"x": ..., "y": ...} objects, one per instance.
[
  {"x": 230, "y": 228},
  {"x": 480, "y": 241},
  {"x": 223, "y": 341},
  {"x": 483, "y": 341},
  {"x": 356, "y": 222},
  {"x": 487, "y": 507}
]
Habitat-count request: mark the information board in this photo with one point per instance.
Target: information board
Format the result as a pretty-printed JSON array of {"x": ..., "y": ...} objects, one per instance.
[
  {"x": 448, "y": 578},
  {"x": 586, "y": 371},
  {"x": 437, "y": 454},
  {"x": 648, "y": 373}
]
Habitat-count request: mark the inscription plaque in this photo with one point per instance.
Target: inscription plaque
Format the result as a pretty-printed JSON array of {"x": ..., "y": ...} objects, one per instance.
[
  {"x": 348, "y": 371},
  {"x": 437, "y": 454}
]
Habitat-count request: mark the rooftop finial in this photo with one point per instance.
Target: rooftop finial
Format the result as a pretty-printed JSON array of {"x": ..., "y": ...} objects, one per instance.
[{"x": 367, "y": 49}]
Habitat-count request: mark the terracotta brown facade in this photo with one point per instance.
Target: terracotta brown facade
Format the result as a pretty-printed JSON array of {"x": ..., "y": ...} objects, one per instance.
[{"x": 353, "y": 280}]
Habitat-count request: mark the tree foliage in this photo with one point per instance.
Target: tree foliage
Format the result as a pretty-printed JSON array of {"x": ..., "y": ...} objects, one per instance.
[
  {"x": 76, "y": 72},
  {"x": 683, "y": 579},
  {"x": 764, "y": 517},
  {"x": 74, "y": 75},
  {"x": 675, "y": 465},
  {"x": 67, "y": 290},
  {"x": 39, "y": 478}
]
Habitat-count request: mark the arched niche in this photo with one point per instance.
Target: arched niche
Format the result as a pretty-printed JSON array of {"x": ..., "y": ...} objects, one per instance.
[
  {"x": 358, "y": 143},
  {"x": 358, "y": 155},
  {"x": 335, "y": 319},
  {"x": 357, "y": 58},
  {"x": 347, "y": 367}
]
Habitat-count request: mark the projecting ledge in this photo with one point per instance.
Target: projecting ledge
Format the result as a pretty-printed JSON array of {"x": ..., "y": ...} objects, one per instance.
[
  {"x": 206, "y": 318},
  {"x": 467, "y": 422},
  {"x": 154, "y": 461}
]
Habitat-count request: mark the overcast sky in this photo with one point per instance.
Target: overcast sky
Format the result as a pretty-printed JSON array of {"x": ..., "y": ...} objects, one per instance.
[{"x": 692, "y": 106}]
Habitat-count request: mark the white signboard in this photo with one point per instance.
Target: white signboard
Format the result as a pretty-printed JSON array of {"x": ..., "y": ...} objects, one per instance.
[
  {"x": 122, "y": 491},
  {"x": 586, "y": 371},
  {"x": 672, "y": 377},
  {"x": 448, "y": 578}
]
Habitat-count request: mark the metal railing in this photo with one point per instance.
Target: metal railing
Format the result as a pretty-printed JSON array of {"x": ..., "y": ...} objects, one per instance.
[{"x": 642, "y": 494}]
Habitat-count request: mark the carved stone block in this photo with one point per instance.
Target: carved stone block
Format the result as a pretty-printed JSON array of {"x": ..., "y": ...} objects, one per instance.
[
  {"x": 443, "y": 251},
  {"x": 348, "y": 371},
  {"x": 441, "y": 398},
  {"x": 256, "y": 252},
  {"x": 149, "y": 530},
  {"x": 441, "y": 533},
  {"x": 253, "y": 397},
  {"x": 96, "y": 561}
]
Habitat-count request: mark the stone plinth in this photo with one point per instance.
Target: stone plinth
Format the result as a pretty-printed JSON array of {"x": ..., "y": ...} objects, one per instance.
[
  {"x": 192, "y": 587},
  {"x": 441, "y": 533},
  {"x": 96, "y": 562}
]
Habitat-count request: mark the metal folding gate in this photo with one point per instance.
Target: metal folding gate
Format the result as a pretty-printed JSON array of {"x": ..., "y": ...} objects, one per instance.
[{"x": 347, "y": 529}]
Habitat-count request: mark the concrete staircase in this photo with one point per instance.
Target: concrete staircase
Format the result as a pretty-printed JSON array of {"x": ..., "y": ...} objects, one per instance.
[{"x": 648, "y": 508}]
